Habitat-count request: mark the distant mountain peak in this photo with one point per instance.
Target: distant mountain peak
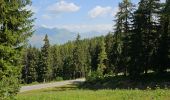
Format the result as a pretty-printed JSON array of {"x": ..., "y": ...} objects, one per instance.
[{"x": 59, "y": 35}]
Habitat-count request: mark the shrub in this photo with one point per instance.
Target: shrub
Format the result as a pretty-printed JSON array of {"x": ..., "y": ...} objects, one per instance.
[
  {"x": 58, "y": 79},
  {"x": 94, "y": 76},
  {"x": 8, "y": 88}
]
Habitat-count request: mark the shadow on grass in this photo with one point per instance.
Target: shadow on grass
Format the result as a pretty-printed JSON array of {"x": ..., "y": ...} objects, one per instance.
[
  {"x": 149, "y": 81},
  {"x": 62, "y": 88}
]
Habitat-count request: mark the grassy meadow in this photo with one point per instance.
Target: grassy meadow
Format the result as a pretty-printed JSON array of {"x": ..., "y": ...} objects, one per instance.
[{"x": 73, "y": 92}]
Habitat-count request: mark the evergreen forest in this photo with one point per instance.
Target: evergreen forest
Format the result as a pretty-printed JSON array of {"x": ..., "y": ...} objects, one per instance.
[{"x": 138, "y": 45}]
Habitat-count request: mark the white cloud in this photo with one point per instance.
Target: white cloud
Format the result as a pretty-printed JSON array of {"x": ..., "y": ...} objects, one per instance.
[
  {"x": 99, "y": 11},
  {"x": 46, "y": 26},
  {"x": 63, "y": 7}
]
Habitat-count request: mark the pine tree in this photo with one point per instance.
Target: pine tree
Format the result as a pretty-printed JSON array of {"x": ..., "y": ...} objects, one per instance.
[
  {"x": 109, "y": 47},
  {"x": 88, "y": 66},
  {"x": 93, "y": 51},
  {"x": 15, "y": 28},
  {"x": 115, "y": 54},
  {"x": 136, "y": 45},
  {"x": 66, "y": 61},
  {"x": 45, "y": 67},
  {"x": 30, "y": 65},
  {"x": 102, "y": 58},
  {"x": 122, "y": 33},
  {"x": 78, "y": 58},
  {"x": 56, "y": 62},
  {"x": 147, "y": 29},
  {"x": 68, "y": 68},
  {"x": 162, "y": 59}
]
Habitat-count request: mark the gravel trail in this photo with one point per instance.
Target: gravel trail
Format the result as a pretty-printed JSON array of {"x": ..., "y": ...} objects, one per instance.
[{"x": 48, "y": 85}]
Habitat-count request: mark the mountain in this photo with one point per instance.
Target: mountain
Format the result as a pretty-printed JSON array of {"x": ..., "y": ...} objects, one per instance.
[
  {"x": 58, "y": 36},
  {"x": 55, "y": 35}
]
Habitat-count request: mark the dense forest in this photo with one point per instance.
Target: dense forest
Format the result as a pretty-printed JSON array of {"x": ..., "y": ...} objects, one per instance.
[{"x": 139, "y": 44}]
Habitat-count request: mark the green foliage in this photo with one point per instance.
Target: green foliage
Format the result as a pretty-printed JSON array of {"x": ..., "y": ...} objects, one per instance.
[
  {"x": 45, "y": 68},
  {"x": 122, "y": 33},
  {"x": 30, "y": 69},
  {"x": 95, "y": 75},
  {"x": 15, "y": 28},
  {"x": 162, "y": 57},
  {"x": 109, "y": 41},
  {"x": 58, "y": 79},
  {"x": 8, "y": 88},
  {"x": 56, "y": 61},
  {"x": 102, "y": 58},
  {"x": 78, "y": 59}
]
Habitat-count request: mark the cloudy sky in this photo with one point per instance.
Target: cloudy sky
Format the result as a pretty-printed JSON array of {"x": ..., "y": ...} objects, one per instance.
[
  {"x": 76, "y": 15},
  {"x": 80, "y": 15}
]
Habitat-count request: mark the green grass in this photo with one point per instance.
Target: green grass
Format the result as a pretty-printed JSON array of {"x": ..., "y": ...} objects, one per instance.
[
  {"x": 72, "y": 92},
  {"x": 146, "y": 87}
]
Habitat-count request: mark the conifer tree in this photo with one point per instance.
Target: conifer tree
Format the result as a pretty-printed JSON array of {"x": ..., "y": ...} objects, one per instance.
[
  {"x": 30, "y": 65},
  {"x": 78, "y": 58},
  {"x": 45, "y": 67},
  {"x": 146, "y": 30},
  {"x": 162, "y": 61},
  {"x": 122, "y": 33},
  {"x": 56, "y": 61},
  {"x": 93, "y": 51},
  {"x": 102, "y": 58},
  {"x": 15, "y": 28},
  {"x": 68, "y": 68},
  {"x": 109, "y": 47}
]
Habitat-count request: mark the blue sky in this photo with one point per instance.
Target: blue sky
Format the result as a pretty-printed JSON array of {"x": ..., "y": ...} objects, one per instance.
[{"x": 76, "y": 15}]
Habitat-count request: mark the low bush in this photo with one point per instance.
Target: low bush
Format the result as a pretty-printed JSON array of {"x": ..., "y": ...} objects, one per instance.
[{"x": 58, "y": 79}]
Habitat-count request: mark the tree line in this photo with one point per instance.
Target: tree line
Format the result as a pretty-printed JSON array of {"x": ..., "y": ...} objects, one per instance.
[{"x": 140, "y": 43}]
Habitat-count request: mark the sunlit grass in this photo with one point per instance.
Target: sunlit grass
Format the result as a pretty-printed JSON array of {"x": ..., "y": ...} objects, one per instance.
[{"x": 72, "y": 92}]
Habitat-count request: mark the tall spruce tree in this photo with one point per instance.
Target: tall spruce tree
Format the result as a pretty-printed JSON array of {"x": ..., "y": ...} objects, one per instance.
[
  {"x": 122, "y": 32},
  {"x": 162, "y": 61},
  {"x": 78, "y": 59},
  {"x": 68, "y": 68},
  {"x": 30, "y": 61},
  {"x": 15, "y": 28},
  {"x": 45, "y": 68},
  {"x": 56, "y": 62},
  {"x": 93, "y": 51},
  {"x": 146, "y": 30},
  {"x": 102, "y": 58},
  {"x": 109, "y": 47},
  {"x": 136, "y": 45}
]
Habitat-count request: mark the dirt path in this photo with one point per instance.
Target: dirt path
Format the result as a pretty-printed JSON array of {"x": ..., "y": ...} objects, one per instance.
[{"x": 54, "y": 84}]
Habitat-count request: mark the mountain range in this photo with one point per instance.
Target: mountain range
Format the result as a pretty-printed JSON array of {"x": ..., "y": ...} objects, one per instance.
[{"x": 59, "y": 36}]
